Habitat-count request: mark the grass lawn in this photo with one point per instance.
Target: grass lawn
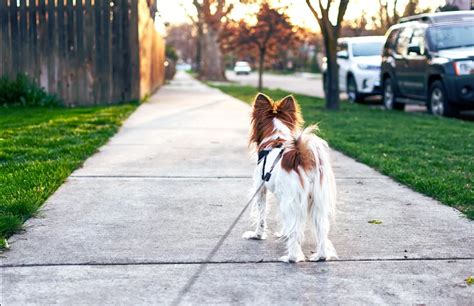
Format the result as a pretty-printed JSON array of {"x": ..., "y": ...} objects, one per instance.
[
  {"x": 434, "y": 156},
  {"x": 40, "y": 147}
]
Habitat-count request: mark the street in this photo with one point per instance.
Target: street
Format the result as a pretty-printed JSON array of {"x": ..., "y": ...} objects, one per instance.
[{"x": 311, "y": 84}]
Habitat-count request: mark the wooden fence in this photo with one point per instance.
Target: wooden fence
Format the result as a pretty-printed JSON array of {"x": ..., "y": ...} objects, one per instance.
[{"x": 85, "y": 51}]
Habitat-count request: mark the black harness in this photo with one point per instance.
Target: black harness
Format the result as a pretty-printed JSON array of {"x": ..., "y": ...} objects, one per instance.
[{"x": 262, "y": 155}]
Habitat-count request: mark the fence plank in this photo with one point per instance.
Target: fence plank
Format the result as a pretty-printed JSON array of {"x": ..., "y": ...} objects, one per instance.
[
  {"x": 98, "y": 83},
  {"x": 134, "y": 52},
  {"x": 61, "y": 65},
  {"x": 4, "y": 38},
  {"x": 49, "y": 49},
  {"x": 35, "y": 68},
  {"x": 71, "y": 53},
  {"x": 89, "y": 45},
  {"x": 106, "y": 53},
  {"x": 15, "y": 39},
  {"x": 24, "y": 41},
  {"x": 117, "y": 56},
  {"x": 81, "y": 86}
]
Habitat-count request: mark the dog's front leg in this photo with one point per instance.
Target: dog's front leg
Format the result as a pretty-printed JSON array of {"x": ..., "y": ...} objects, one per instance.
[{"x": 259, "y": 214}]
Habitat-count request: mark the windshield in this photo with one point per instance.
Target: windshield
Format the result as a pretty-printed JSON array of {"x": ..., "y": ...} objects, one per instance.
[
  {"x": 242, "y": 64},
  {"x": 367, "y": 49},
  {"x": 451, "y": 36}
]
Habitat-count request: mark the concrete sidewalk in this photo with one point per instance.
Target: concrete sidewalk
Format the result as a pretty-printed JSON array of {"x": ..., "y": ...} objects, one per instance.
[{"x": 143, "y": 220}]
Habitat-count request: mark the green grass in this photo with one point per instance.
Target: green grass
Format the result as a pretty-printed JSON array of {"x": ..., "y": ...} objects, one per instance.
[
  {"x": 434, "y": 156},
  {"x": 40, "y": 147}
]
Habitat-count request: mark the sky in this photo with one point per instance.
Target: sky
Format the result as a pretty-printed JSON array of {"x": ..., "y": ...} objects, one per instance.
[{"x": 176, "y": 11}]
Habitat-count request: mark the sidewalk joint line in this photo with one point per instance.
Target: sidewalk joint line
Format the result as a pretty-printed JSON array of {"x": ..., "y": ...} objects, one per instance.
[
  {"x": 163, "y": 176},
  {"x": 237, "y": 262}
]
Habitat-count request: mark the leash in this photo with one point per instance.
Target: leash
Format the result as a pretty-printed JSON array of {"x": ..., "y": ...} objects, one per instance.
[{"x": 209, "y": 257}]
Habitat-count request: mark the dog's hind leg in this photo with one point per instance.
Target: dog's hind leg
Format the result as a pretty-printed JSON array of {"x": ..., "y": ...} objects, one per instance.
[
  {"x": 320, "y": 222},
  {"x": 293, "y": 228},
  {"x": 259, "y": 215}
]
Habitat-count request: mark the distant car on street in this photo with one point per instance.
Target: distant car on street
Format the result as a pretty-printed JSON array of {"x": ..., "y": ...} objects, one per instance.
[
  {"x": 359, "y": 60},
  {"x": 242, "y": 67},
  {"x": 429, "y": 59}
]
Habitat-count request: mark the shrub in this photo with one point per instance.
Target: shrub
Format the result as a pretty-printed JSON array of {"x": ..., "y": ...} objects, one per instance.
[{"x": 23, "y": 91}]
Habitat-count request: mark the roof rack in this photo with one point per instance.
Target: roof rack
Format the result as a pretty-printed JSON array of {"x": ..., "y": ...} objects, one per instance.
[{"x": 440, "y": 17}]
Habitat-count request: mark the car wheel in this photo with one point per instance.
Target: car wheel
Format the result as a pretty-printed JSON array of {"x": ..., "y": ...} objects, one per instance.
[
  {"x": 352, "y": 93},
  {"x": 438, "y": 103},
  {"x": 389, "y": 96}
]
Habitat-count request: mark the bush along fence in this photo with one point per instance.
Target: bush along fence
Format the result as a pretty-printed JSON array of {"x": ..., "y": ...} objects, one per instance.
[{"x": 85, "y": 51}]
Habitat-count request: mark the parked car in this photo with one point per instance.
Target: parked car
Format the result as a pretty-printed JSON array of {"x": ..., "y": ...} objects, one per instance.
[
  {"x": 242, "y": 67},
  {"x": 429, "y": 59},
  {"x": 359, "y": 61}
]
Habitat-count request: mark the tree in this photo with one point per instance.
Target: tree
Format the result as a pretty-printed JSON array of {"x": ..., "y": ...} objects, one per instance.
[
  {"x": 272, "y": 33},
  {"x": 390, "y": 15},
  {"x": 210, "y": 15},
  {"x": 330, "y": 33},
  {"x": 183, "y": 38}
]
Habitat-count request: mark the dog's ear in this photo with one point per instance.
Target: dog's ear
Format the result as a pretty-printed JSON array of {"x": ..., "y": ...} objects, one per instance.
[
  {"x": 288, "y": 104},
  {"x": 262, "y": 101}
]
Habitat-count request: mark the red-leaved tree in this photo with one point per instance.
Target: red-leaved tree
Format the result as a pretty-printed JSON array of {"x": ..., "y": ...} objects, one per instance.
[{"x": 271, "y": 33}]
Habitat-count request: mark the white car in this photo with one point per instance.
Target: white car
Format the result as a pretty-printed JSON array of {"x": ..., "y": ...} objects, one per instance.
[
  {"x": 359, "y": 60},
  {"x": 242, "y": 67}
]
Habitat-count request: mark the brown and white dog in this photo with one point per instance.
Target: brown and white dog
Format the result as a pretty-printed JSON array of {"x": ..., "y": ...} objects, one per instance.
[{"x": 302, "y": 180}]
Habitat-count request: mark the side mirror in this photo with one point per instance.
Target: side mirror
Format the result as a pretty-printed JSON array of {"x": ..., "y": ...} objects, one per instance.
[
  {"x": 343, "y": 54},
  {"x": 414, "y": 49}
]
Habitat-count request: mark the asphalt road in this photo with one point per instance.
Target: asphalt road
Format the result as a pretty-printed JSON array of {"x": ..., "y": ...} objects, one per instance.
[{"x": 312, "y": 85}]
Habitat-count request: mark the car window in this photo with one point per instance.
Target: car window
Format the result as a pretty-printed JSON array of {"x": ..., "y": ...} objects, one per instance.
[
  {"x": 403, "y": 41},
  {"x": 342, "y": 46},
  {"x": 451, "y": 36},
  {"x": 418, "y": 39},
  {"x": 391, "y": 42},
  {"x": 367, "y": 48}
]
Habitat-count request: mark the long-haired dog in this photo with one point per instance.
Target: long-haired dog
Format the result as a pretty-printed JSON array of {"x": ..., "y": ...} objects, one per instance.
[{"x": 302, "y": 179}]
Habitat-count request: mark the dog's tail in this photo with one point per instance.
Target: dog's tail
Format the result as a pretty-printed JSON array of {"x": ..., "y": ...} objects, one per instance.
[
  {"x": 322, "y": 193},
  {"x": 308, "y": 155}
]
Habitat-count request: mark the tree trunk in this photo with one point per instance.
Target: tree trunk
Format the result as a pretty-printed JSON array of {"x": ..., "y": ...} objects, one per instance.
[
  {"x": 332, "y": 73},
  {"x": 199, "y": 44},
  {"x": 212, "y": 60},
  {"x": 261, "y": 63}
]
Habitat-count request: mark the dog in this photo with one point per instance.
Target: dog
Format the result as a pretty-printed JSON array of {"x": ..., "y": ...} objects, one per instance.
[{"x": 301, "y": 177}]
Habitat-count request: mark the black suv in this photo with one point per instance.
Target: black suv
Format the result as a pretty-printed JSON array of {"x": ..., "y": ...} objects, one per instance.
[{"x": 429, "y": 59}]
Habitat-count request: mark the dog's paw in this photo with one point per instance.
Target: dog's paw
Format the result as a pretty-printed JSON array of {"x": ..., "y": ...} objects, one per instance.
[
  {"x": 317, "y": 257},
  {"x": 254, "y": 236},
  {"x": 292, "y": 258},
  {"x": 322, "y": 257}
]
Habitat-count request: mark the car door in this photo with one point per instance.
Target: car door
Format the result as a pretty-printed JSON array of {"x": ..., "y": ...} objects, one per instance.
[
  {"x": 415, "y": 83},
  {"x": 401, "y": 67},
  {"x": 343, "y": 63}
]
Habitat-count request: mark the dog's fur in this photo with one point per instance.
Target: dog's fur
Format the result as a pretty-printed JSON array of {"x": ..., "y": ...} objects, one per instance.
[{"x": 302, "y": 180}]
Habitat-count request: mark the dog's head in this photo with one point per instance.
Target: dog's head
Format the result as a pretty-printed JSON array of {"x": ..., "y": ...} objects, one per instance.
[{"x": 265, "y": 110}]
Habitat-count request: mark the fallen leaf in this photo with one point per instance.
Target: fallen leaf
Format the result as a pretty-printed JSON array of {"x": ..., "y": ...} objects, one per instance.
[
  {"x": 375, "y": 221},
  {"x": 469, "y": 280}
]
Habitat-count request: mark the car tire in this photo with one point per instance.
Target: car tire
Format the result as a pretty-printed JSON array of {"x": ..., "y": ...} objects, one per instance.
[
  {"x": 389, "y": 96},
  {"x": 438, "y": 104},
  {"x": 351, "y": 89}
]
